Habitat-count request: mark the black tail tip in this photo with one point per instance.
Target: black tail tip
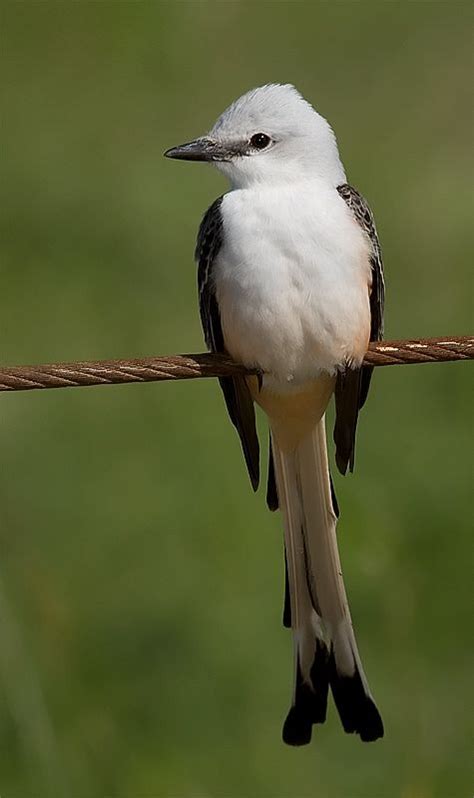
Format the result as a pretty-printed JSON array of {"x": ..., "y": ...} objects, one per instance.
[
  {"x": 310, "y": 702},
  {"x": 297, "y": 728},
  {"x": 356, "y": 708},
  {"x": 372, "y": 727},
  {"x": 355, "y": 705}
]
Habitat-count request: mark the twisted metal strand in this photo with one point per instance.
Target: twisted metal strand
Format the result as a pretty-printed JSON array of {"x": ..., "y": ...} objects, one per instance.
[
  {"x": 420, "y": 350},
  {"x": 185, "y": 367}
]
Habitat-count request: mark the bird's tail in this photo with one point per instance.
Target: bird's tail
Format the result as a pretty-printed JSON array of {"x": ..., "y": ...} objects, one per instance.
[{"x": 325, "y": 647}]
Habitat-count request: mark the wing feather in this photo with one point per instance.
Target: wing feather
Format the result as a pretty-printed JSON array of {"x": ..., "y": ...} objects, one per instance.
[
  {"x": 236, "y": 393},
  {"x": 352, "y": 385}
]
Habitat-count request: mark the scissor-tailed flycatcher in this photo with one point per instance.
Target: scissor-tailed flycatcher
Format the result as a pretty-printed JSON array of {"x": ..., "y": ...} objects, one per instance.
[{"x": 290, "y": 282}]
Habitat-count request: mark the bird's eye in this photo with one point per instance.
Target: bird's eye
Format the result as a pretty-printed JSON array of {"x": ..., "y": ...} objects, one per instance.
[{"x": 260, "y": 140}]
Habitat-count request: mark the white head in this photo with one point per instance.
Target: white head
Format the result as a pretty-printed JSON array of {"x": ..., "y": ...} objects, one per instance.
[{"x": 269, "y": 135}]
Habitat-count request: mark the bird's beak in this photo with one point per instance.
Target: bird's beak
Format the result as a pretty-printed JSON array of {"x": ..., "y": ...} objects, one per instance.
[{"x": 202, "y": 149}]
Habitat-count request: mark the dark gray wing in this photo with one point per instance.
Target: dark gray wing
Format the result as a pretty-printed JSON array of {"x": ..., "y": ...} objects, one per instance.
[
  {"x": 272, "y": 494},
  {"x": 236, "y": 393},
  {"x": 352, "y": 385},
  {"x": 364, "y": 217}
]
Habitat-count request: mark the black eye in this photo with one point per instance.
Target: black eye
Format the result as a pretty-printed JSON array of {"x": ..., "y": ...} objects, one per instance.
[{"x": 260, "y": 140}]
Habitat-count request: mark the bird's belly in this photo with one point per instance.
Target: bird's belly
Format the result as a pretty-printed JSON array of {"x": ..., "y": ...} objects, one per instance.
[
  {"x": 292, "y": 283},
  {"x": 289, "y": 323}
]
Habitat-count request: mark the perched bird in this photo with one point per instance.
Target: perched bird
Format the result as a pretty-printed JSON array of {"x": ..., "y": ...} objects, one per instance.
[{"x": 291, "y": 284}]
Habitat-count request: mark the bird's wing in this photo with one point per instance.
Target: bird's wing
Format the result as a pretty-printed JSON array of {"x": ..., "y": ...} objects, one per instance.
[
  {"x": 352, "y": 385},
  {"x": 236, "y": 393}
]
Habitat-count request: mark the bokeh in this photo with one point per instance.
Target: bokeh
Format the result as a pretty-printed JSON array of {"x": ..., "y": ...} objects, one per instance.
[{"x": 141, "y": 581}]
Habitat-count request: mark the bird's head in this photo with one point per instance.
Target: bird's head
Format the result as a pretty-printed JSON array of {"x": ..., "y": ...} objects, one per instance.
[{"x": 269, "y": 135}]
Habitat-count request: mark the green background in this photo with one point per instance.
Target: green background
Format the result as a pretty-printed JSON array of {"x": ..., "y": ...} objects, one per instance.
[{"x": 141, "y": 646}]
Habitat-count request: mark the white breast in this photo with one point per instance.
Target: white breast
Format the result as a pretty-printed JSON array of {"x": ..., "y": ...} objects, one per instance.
[{"x": 292, "y": 281}]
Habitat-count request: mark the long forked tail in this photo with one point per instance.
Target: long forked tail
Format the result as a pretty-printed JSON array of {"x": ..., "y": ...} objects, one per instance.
[{"x": 325, "y": 647}]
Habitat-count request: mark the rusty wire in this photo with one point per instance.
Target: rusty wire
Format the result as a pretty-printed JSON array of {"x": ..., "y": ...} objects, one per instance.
[{"x": 185, "y": 367}]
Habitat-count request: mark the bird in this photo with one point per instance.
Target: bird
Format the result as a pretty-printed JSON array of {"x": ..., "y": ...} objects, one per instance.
[{"x": 291, "y": 286}]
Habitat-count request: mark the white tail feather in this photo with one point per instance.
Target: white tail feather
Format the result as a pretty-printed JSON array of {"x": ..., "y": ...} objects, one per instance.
[
  {"x": 319, "y": 527},
  {"x": 320, "y": 617}
]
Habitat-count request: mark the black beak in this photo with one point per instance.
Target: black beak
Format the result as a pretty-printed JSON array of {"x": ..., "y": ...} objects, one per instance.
[{"x": 198, "y": 150}]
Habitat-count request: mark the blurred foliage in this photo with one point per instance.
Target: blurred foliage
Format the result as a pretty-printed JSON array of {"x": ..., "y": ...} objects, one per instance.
[{"x": 141, "y": 647}]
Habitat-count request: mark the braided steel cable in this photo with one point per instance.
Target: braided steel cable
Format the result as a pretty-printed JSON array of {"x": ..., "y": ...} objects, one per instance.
[{"x": 185, "y": 367}]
